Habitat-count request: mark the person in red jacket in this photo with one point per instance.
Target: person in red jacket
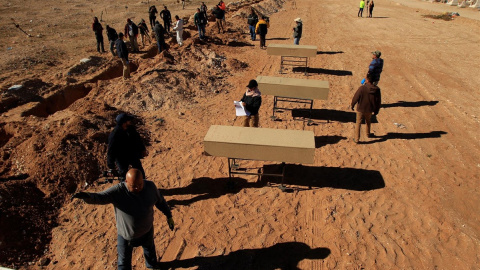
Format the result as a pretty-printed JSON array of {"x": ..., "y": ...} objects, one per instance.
[
  {"x": 368, "y": 99},
  {"x": 131, "y": 31},
  {"x": 98, "y": 29}
]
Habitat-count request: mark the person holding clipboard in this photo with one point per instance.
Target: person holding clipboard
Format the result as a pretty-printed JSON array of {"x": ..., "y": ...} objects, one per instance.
[{"x": 251, "y": 101}]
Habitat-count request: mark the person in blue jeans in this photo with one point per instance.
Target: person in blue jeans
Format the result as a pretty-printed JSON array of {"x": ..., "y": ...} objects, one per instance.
[
  {"x": 200, "y": 22},
  {"x": 133, "y": 201},
  {"x": 252, "y": 22},
  {"x": 297, "y": 31}
]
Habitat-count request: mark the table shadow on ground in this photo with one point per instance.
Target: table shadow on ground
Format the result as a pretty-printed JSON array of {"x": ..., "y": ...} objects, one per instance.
[
  {"x": 325, "y": 140},
  {"x": 279, "y": 256},
  {"x": 410, "y": 104},
  {"x": 405, "y": 136},
  {"x": 208, "y": 188},
  {"x": 329, "y": 52},
  {"x": 321, "y": 177},
  {"x": 323, "y": 71},
  {"x": 329, "y": 115}
]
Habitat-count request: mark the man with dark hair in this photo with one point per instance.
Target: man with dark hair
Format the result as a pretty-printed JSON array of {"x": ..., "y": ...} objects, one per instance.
[
  {"x": 133, "y": 201},
  {"x": 219, "y": 14},
  {"x": 125, "y": 147},
  {"x": 112, "y": 37},
  {"x": 122, "y": 52},
  {"x": 159, "y": 36},
  {"x": 131, "y": 31},
  {"x": 167, "y": 18},
  {"x": 98, "y": 29},
  {"x": 376, "y": 67},
  {"x": 200, "y": 22},
  {"x": 203, "y": 9},
  {"x": 144, "y": 32},
  {"x": 252, "y": 21},
  {"x": 262, "y": 29},
  {"x": 368, "y": 99},
  {"x": 152, "y": 11}
]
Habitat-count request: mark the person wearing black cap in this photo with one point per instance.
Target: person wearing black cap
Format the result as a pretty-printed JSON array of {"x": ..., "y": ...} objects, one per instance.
[
  {"x": 125, "y": 147},
  {"x": 376, "y": 67},
  {"x": 252, "y": 99}
]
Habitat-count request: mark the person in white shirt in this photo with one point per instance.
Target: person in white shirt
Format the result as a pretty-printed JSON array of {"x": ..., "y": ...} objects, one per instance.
[{"x": 179, "y": 29}]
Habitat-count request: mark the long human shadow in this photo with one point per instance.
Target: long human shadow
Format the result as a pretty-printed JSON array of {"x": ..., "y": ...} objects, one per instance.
[
  {"x": 279, "y": 256},
  {"x": 329, "y": 115},
  {"x": 325, "y": 140},
  {"x": 406, "y": 136},
  {"x": 324, "y": 71},
  {"x": 410, "y": 104},
  {"x": 277, "y": 38},
  {"x": 208, "y": 188},
  {"x": 329, "y": 52},
  {"x": 320, "y": 177}
]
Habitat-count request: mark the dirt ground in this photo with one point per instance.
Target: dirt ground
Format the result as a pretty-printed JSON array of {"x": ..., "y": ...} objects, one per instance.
[{"x": 406, "y": 199}]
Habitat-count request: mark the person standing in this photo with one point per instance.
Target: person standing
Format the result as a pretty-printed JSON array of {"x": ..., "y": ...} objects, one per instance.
[
  {"x": 152, "y": 11},
  {"x": 219, "y": 14},
  {"x": 203, "y": 9},
  {"x": 368, "y": 100},
  {"x": 179, "y": 29},
  {"x": 133, "y": 202},
  {"x": 125, "y": 147},
  {"x": 144, "y": 32},
  {"x": 252, "y": 21},
  {"x": 159, "y": 36},
  {"x": 376, "y": 67},
  {"x": 262, "y": 29},
  {"x": 297, "y": 31},
  {"x": 252, "y": 100},
  {"x": 98, "y": 29},
  {"x": 167, "y": 18},
  {"x": 370, "y": 9},
  {"x": 183, "y": 4},
  {"x": 122, "y": 52},
  {"x": 200, "y": 22},
  {"x": 223, "y": 7},
  {"x": 360, "y": 11},
  {"x": 131, "y": 31},
  {"x": 112, "y": 37}
]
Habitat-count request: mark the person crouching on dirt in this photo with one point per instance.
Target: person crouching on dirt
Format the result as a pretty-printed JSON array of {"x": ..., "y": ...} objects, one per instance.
[
  {"x": 144, "y": 32},
  {"x": 125, "y": 147},
  {"x": 262, "y": 29},
  {"x": 98, "y": 29},
  {"x": 112, "y": 37},
  {"x": 159, "y": 36},
  {"x": 133, "y": 201},
  {"x": 252, "y": 99},
  {"x": 131, "y": 31}
]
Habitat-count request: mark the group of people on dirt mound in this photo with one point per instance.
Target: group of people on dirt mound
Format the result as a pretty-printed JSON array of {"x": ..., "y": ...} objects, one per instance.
[{"x": 134, "y": 197}]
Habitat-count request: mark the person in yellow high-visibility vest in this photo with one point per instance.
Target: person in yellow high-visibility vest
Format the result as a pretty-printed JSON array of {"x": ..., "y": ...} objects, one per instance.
[{"x": 360, "y": 11}]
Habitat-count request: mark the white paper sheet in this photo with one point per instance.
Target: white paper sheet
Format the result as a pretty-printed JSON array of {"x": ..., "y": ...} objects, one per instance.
[{"x": 240, "y": 110}]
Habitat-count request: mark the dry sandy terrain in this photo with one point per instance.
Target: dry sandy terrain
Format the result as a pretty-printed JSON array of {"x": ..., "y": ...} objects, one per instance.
[{"x": 407, "y": 199}]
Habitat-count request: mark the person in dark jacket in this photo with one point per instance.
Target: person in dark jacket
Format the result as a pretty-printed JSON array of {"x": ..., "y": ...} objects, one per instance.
[
  {"x": 262, "y": 29},
  {"x": 200, "y": 22},
  {"x": 112, "y": 37},
  {"x": 133, "y": 202},
  {"x": 297, "y": 31},
  {"x": 98, "y": 29},
  {"x": 368, "y": 99},
  {"x": 203, "y": 9},
  {"x": 252, "y": 99},
  {"x": 125, "y": 147},
  {"x": 131, "y": 31},
  {"x": 152, "y": 11},
  {"x": 122, "y": 52},
  {"x": 159, "y": 36},
  {"x": 144, "y": 32},
  {"x": 370, "y": 9},
  {"x": 167, "y": 19},
  {"x": 376, "y": 67},
  {"x": 252, "y": 21},
  {"x": 219, "y": 14}
]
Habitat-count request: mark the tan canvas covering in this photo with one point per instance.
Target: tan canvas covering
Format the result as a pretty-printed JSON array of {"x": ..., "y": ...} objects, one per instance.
[
  {"x": 292, "y": 50},
  {"x": 293, "y": 88},
  {"x": 282, "y": 145}
]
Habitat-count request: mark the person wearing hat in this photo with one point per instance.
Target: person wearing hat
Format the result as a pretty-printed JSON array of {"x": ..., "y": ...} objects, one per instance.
[
  {"x": 368, "y": 100},
  {"x": 297, "y": 31},
  {"x": 122, "y": 52},
  {"x": 376, "y": 67},
  {"x": 125, "y": 147},
  {"x": 251, "y": 100}
]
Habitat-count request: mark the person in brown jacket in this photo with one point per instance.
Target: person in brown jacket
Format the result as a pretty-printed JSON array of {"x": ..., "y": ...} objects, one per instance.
[{"x": 368, "y": 99}]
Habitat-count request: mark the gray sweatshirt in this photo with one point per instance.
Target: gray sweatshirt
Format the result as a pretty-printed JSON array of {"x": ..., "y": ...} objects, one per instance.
[{"x": 133, "y": 212}]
